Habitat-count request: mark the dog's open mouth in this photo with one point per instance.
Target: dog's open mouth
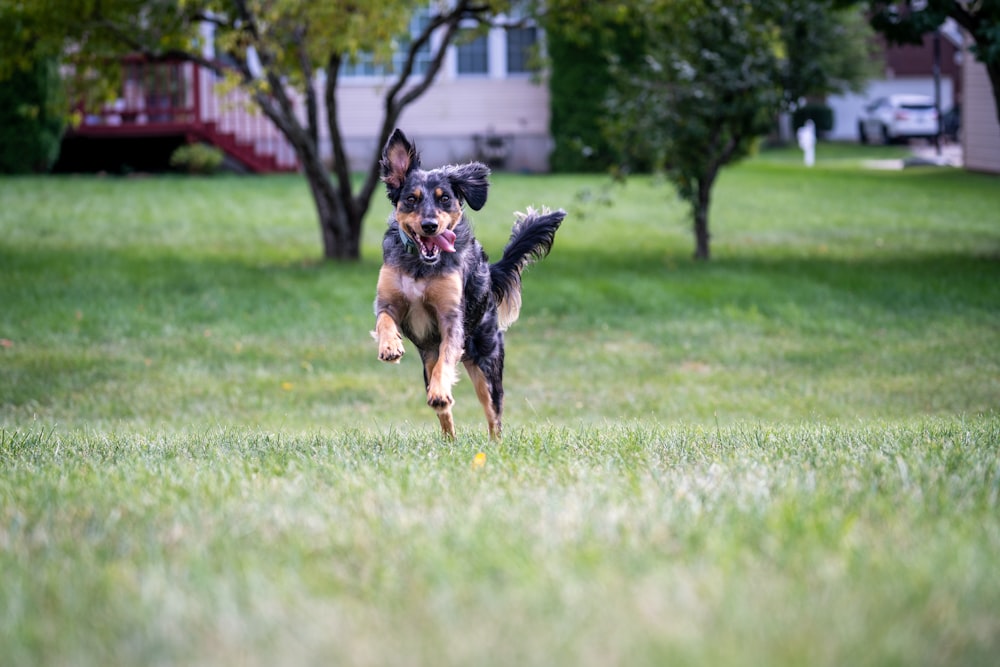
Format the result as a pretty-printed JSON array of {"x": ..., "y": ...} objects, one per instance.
[{"x": 431, "y": 247}]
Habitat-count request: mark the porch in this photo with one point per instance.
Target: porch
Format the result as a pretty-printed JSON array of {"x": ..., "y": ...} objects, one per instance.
[{"x": 182, "y": 102}]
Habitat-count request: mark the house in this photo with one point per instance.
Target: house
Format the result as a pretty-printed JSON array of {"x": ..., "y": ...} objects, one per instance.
[
  {"x": 980, "y": 127},
  {"x": 486, "y": 103}
]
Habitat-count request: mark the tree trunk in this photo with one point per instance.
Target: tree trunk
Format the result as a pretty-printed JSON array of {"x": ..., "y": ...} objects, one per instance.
[
  {"x": 700, "y": 205},
  {"x": 338, "y": 216},
  {"x": 339, "y": 223}
]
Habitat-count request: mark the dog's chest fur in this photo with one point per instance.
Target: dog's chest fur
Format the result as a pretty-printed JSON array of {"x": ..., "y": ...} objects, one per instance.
[{"x": 420, "y": 321}]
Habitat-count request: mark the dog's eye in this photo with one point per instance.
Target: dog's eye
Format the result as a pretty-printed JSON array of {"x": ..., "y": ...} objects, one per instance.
[
  {"x": 411, "y": 199},
  {"x": 445, "y": 199}
]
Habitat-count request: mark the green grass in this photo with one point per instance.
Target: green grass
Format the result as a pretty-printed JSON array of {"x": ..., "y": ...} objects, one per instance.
[
  {"x": 787, "y": 456},
  {"x": 625, "y": 544}
]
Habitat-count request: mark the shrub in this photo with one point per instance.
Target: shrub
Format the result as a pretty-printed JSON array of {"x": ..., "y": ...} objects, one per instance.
[
  {"x": 579, "y": 84},
  {"x": 31, "y": 119},
  {"x": 820, "y": 114},
  {"x": 197, "y": 158}
]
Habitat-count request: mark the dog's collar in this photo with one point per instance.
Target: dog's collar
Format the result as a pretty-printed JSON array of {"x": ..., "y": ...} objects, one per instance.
[{"x": 408, "y": 244}]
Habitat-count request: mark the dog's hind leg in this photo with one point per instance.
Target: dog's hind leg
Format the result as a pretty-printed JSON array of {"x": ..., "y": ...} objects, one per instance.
[{"x": 489, "y": 390}]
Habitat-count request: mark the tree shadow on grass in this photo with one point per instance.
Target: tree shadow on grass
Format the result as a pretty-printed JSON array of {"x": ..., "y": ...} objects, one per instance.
[{"x": 643, "y": 282}]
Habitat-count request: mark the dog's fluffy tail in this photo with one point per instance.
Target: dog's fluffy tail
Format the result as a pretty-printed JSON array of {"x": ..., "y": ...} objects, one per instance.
[{"x": 530, "y": 240}]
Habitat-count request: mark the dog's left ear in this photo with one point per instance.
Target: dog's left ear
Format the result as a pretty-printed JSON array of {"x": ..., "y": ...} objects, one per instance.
[
  {"x": 399, "y": 158},
  {"x": 471, "y": 183}
]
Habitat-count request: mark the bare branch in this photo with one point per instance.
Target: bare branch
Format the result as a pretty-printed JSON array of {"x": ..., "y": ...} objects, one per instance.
[{"x": 341, "y": 168}]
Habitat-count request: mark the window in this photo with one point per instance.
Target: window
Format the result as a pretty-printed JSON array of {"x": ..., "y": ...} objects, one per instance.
[
  {"x": 520, "y": 49},
  {"x": 364, "y": 64},
  {"x": 422, "y": 62},
  {"x": 473, "y": 55},
  {"x": 477, "y": 51}
]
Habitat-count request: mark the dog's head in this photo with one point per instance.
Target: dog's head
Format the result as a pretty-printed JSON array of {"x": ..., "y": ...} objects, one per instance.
[{"x": 429, "y": 203}]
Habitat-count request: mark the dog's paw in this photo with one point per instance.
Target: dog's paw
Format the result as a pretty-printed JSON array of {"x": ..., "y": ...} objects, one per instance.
[
  {"x": 439, "y": 400},
  {"x": 391, "y": 351}
]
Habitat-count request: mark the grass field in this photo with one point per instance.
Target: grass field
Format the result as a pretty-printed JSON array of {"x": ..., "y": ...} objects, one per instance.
[{"x": 789, "y": 455}]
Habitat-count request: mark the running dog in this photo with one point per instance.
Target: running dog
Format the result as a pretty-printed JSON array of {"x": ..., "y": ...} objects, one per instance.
[{"x": 436, "y": 285}]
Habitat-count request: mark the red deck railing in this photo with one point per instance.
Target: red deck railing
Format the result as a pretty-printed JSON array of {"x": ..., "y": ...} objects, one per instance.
[{"x": 181, "y": 98}]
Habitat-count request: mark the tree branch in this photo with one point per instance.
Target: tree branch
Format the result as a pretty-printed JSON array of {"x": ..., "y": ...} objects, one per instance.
[
  {"x": 341, "y": 168},
  {"x": 396, "y": 101},
  {"x": 312, "y": 111},
  {"x": 964, "y": 17}
]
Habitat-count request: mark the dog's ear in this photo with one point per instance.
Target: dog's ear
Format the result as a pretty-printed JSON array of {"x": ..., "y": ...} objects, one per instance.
[
  {"x": 399, "y": 158},
  {"x": 471, "y": 182}
]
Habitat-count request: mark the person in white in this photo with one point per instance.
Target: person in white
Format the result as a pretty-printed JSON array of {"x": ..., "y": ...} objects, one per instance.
[{"x": 807, "y": 142}]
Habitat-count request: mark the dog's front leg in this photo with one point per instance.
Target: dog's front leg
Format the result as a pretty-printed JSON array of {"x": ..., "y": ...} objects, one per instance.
[
  {"x": 389, "y": 307},
  {"x": 390, "y": 340},
  {"x": 445, "y": 296}
]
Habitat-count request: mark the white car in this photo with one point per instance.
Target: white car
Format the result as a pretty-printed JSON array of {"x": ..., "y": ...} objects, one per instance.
[{"x": 898, "y": 117}]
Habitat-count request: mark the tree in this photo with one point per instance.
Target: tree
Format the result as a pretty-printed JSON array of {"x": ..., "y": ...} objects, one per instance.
[
  {"x": 827, "y": 50},
  {"x": 710, "y": 85},
  {"x": 270, "y": 47},
  {"x": 714, "y": 76},
  {"x": 907, "y": 21},
  {"x": 31, "y": 119},
  {"x": 823, "y": 52},
  {"x": 580, "y": 35}
]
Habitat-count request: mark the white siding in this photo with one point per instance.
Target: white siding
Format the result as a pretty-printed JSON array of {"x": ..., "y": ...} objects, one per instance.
[
  {"x": 980, "y": 128},
  {"x": 444, "y": 121}
]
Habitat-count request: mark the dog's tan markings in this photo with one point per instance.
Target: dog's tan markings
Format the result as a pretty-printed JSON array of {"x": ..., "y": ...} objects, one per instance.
[
  {"x": 448, "y": 219},
  {"x": 409, "y": 221},
  {"x": 444, "y": 296},
  {"x": 447, "y": 423},
  {"x": 484, "y": 394},
  {"x": 390, "y": 307},
  {"x": 509, "y": 308}
]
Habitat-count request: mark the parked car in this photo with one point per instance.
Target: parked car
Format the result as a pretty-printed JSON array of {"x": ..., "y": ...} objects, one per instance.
[{"x": 898, "y": 117}]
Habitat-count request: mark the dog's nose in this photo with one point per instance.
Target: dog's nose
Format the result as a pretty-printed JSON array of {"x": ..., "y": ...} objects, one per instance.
[{"x": 430, "y": 228}]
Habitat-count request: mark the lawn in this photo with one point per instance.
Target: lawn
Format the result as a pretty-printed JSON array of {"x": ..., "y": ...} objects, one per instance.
[{"x": 789, "y": 455}]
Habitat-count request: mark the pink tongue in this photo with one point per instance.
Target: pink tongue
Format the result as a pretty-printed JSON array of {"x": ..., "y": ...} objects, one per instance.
[{"x": 445, "y": 240}]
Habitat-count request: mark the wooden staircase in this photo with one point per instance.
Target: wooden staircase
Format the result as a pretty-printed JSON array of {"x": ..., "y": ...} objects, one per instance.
[
  {"x": 174, "y": 98},
  {"x": 246, "y": 153}
]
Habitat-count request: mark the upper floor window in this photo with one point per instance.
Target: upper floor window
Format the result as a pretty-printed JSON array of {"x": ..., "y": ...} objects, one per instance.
[
  {"x": 473, "y": 55},
  {"x": 364, "y": 63},
  {"x": 521, "y": 49},
  {"x": 497, "y": 52}
]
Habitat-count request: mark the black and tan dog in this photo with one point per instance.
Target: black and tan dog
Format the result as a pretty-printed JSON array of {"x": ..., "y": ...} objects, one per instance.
[{"x": 436, "y": 285}]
